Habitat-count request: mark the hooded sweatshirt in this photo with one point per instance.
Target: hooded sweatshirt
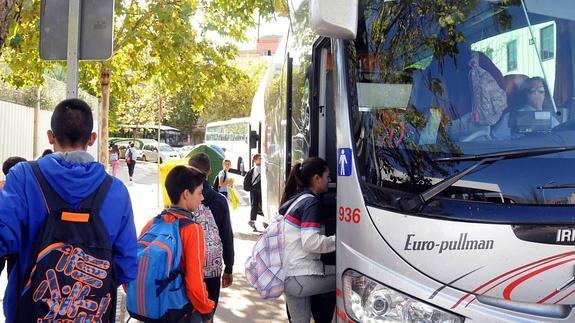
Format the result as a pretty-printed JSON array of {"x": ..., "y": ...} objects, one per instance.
[{"x": 74, "y": 176}]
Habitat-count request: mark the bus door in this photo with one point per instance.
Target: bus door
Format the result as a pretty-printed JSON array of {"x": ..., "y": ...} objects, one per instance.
[{"x": 313, "y": 134}]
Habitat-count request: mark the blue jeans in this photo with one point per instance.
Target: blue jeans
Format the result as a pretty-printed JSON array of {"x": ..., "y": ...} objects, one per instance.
[{"x": 298, "y": 289}]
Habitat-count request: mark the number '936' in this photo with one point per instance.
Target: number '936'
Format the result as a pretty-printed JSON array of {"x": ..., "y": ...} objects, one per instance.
[{"x": 349, "y": 215}]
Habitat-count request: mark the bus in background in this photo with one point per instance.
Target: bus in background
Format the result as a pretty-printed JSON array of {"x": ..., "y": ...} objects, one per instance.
[
  {"x": 233, "y": 136},
  {"x": 169, "y": 135},
  {"x": 449, "y": 132}
]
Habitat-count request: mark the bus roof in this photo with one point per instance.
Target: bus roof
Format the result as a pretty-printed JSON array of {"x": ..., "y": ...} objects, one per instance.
[
  {"x": 228, "y": 122},
  {"x": 148, "y": 126}
]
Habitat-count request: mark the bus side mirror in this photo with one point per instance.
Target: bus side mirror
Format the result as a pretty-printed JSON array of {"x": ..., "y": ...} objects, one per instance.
[
  {"x": 334, "y": 18},
  {"x": 254, "y": 137}
]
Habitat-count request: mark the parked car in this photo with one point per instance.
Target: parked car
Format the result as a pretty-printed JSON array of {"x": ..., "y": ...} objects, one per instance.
[
  {"x": 150, "y": 153},
  {"x": 185, "y": 150}
]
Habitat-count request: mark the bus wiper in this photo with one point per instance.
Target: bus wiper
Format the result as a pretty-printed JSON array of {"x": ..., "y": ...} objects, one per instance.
[
  {"x": 415, "y": 203},
  {"x": 556, "y": 187}
]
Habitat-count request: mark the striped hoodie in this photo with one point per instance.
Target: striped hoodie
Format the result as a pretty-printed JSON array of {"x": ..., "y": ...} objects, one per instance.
[{"x": 305, "y": 238}]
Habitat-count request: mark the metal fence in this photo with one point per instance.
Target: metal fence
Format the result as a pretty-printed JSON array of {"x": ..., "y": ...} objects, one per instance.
[{"x": 17, "y": 118}]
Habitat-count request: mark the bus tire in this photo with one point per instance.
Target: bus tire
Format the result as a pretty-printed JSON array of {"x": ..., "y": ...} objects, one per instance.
[{"x": 144, "y": 157}]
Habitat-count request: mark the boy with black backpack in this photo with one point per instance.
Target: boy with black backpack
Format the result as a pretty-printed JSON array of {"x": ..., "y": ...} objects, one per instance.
[
  {"x": 171, "y": 255},
  {"x": 252, "y": 184},
  {"x": 215, "y": 205},
  {"x": 222, "y": 181},
  {"x": 71, "y": 227}
]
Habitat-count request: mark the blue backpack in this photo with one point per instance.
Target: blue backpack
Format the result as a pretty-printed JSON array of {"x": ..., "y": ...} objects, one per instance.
[{"x": 158, "y": 294}]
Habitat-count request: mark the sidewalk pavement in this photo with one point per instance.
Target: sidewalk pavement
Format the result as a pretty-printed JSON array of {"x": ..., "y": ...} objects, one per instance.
[{"x": 240, "y": 302}]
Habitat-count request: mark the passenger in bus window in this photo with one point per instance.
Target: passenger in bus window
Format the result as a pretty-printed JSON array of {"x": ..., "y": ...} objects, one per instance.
[
  {"x": 305, "y": 238},
  {"x": 536, "y": 97}
]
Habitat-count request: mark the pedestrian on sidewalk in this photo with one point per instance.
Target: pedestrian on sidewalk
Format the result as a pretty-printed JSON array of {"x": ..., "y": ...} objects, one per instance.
[
  {"x": 224, "y": 180},
  {"x": 131, "y": 155},
  {"x": 252, "y": 184},
  {"x": 184, "y": 186},
  {"x": 71, "y": 174},
  {"x": 6, "y": 166},
  {"x": 114, "y": 159},
  {"x": 220, "y": 211},
  {"x": 305, "y": 239}
]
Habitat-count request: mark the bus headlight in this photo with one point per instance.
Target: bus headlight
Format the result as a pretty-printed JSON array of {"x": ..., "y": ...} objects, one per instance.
[{"x": 369, "y": 301}]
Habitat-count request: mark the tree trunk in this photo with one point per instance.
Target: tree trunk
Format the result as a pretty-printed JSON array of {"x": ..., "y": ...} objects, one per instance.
[
  {"x": 6, "y": 17},
  {"x": 104, "y": 112}
]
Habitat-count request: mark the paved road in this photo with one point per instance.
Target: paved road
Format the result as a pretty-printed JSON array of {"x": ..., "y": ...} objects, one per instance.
[{"x": 238, "y": 303}]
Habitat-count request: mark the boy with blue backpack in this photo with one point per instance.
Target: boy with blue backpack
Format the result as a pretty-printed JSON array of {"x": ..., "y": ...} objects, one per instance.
[
  {"x": 171, "y": 255},
  {"x": 70, "y": 226}
]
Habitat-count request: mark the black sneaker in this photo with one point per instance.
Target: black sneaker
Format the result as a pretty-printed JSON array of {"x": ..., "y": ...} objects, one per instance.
[
  {"x": 252, "y": 225},
  {"x": 265, "y": 225}
]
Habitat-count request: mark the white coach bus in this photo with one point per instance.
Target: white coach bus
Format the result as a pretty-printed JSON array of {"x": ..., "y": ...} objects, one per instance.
[
  {"x": 449, "y": 130},
  {"x": 233, "y": 137}
]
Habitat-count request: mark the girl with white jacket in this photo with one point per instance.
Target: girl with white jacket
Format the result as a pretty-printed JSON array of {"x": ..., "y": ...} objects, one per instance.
[{"x": 305, "y": 238}]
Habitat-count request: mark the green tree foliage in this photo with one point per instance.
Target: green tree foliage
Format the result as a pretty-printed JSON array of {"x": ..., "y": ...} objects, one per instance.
[
  {"x": 233, "y": 98},
  {"x": 182, "y": 113},
  {"x": 144, "y": 106},
  {"x": 154, "y": 39},
  {"x": 8, "y": 16}
]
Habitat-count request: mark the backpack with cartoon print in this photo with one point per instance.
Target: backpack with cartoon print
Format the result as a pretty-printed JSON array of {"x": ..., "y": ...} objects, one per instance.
[{"x": 71, "y": 276}]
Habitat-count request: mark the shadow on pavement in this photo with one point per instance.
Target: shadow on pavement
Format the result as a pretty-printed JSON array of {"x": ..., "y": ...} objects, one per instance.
[
  {"x": 247, "y": 236},
  {"x": 242, "y": 303}
]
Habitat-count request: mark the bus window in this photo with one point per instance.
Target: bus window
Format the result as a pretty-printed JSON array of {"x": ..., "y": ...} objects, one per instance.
[{"x": 425, "y": 90}]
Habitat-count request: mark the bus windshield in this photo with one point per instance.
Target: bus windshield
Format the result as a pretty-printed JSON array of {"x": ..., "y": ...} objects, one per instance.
[{"x": 433, "y": 80}]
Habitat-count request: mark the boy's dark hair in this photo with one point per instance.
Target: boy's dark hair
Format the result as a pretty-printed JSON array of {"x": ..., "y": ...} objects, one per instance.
[
  {"x": 47, "y": 152},
  {"x": 72, "y": 122},
  {"x": 182, "y": 178},
  {"x": 10, "y": 162},
  {"x": 200, "y": 161}
]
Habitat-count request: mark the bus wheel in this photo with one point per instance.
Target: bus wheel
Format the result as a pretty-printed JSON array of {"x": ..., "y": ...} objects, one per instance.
[
  {"x": 144, "y": 157},
  {"x": 161, "y": 160}
]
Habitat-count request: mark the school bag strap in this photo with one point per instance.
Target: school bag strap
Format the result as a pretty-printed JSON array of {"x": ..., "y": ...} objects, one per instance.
[
  {"x": 182, "y": 222},
  {"x": 295, "y": 203},
  {"x": 55, "y": 202},
  {"x": 162, "y": 284}
]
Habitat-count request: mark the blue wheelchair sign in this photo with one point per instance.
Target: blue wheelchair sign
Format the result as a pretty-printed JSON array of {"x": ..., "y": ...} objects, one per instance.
[{"x": 344, "y": 160}]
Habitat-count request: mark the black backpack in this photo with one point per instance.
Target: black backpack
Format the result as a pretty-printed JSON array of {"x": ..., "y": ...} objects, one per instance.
[
  {"x": 248, "y": 180},
  {"x": 216, "y": 185},
  {"x": 71, "y": 276}
]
